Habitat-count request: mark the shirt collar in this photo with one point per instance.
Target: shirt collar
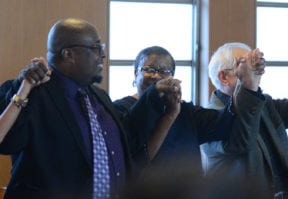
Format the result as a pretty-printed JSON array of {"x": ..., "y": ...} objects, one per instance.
[
  {"x": 222, "y": 96},
  {"x": 69, "y": 85}
]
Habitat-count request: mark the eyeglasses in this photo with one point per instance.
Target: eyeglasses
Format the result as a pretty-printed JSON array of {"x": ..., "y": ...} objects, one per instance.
[
  {"x": 228, "y": 69},
  {"x": 98, "y": 48},
  {"x": 161, "y": 72}
]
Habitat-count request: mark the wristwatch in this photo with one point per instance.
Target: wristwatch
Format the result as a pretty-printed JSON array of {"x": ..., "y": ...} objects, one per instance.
[{"x": 20, "y": 103}]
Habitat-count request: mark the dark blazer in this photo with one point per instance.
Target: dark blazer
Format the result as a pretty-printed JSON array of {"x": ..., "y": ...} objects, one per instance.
[
  {"x": 247, "y": 155},
  {"x": 51, "y": 158}
]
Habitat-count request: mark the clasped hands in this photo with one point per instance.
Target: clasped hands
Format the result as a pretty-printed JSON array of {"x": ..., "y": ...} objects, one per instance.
[
  {"x": 250, "y": 68},
  {"x": 170, "y": 90}
]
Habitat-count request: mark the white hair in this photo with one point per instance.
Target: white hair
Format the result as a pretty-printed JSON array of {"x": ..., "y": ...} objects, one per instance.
[{"x": 223, "y": 59}]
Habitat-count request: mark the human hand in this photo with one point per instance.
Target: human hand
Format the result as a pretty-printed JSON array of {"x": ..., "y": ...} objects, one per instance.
[
  {"x": 36, "y": 73},
  {"x": 173, "y": 104},
  {"x": 250, "y": 68},
  {"x": 170, "y": 89}
]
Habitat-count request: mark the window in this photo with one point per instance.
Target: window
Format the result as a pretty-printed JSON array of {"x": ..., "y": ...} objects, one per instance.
[
  {"x": 135, "y": 25},
  {"x": 272, "y": 39}
]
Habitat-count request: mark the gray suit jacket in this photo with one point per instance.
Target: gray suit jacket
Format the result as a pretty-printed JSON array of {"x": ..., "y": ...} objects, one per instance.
[{"x": 246, "y": 156}]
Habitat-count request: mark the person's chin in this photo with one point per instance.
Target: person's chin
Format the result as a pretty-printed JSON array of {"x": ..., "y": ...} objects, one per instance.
[
  {"x": 151, "y": 82},
  {"x": 97, "y": 79}
]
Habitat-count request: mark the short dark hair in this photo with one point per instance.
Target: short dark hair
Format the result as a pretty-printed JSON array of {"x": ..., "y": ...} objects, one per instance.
[
  {"x": 66, "y": 32},
  {"x": 152, "y": 50}
]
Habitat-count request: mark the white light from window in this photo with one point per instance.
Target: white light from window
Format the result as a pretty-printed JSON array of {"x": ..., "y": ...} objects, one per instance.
[
  {"x": 185, "y": 75},
  {"x": 123, "y": 76},
  {"x": 272, "y": 33},
  {"x": 134, "y": 26},
  {"x": 121, "y": 82},
  {"x": 272, "y": 78}
]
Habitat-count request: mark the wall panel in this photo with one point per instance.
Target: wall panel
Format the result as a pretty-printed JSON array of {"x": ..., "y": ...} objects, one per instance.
[{"x": 24, "y": 25}]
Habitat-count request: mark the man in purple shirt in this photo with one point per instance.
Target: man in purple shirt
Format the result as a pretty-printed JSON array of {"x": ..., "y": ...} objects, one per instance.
[{"x": 53, "y": 137}]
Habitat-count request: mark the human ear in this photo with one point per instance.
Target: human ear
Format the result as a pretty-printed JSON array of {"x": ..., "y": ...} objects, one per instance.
[
  {"x": 223, "y": 77},
  {"x": 67, "y": 55}
]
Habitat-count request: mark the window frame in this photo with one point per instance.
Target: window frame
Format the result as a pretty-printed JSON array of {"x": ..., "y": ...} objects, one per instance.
[
  {"x": 272, "y": 5},
  {"x": 193, "y": 63}
]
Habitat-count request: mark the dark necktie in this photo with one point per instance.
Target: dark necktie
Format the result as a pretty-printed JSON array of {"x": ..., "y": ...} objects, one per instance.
[{"x": 101, "y": 188}]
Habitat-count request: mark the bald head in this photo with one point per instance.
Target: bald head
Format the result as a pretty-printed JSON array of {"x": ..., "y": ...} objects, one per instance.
[
  {"x": 75, "y": 50},
  {"x": 69, "y": 31}
]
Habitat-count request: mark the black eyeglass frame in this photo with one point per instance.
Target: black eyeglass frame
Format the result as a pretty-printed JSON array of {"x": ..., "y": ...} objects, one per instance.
[
  {"x": 151, "y": 70},
  {"x": 99, "y": 47}
]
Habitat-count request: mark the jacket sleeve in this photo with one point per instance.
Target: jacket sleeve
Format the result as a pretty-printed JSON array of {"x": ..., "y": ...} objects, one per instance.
[
  {"x": 14, "y": 140},
  {"x": 143, "y": 116},
  {"x": 278, "y": 106},
  {"x": 7, "y": 90},
  {"x": 246, "y": 123}
]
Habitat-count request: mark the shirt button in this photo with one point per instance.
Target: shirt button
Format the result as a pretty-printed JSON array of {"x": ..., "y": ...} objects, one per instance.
[
  {"x": 118, "y": 174},
  {"x": 105, "y": 133},
  {"x": 112, "y": 152}
]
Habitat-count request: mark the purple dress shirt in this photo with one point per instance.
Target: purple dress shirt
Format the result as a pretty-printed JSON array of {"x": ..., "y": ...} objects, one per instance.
[{"x": 110, "y": 129}]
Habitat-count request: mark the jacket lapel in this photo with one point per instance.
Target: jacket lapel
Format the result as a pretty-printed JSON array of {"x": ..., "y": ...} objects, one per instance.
[{"x": 56, "y": 93}]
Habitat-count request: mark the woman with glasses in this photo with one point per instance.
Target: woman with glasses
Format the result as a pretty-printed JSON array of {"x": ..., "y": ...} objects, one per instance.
[
  {"x": 168, "y": 138},
  {"x": 151, "y": 65}
]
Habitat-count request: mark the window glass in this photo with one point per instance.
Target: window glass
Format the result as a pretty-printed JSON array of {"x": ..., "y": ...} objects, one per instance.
[
  {"x": 272, "y": 33},
  {"x": 121, "y": 81},
  {"x": 184, "y": 73},
  {"x": 123, "y": 76},
  {"x": 272, "y": 78},
  {"x": 134, "y": 26},
  {"x": 270, "y": 39}
]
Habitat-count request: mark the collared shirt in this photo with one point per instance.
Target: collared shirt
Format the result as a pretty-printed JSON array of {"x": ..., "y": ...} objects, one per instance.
[
  {"x": 222, "y": 96},
  {"x": 110, "y": 129},
  {"x": 113, "y": 142}
]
